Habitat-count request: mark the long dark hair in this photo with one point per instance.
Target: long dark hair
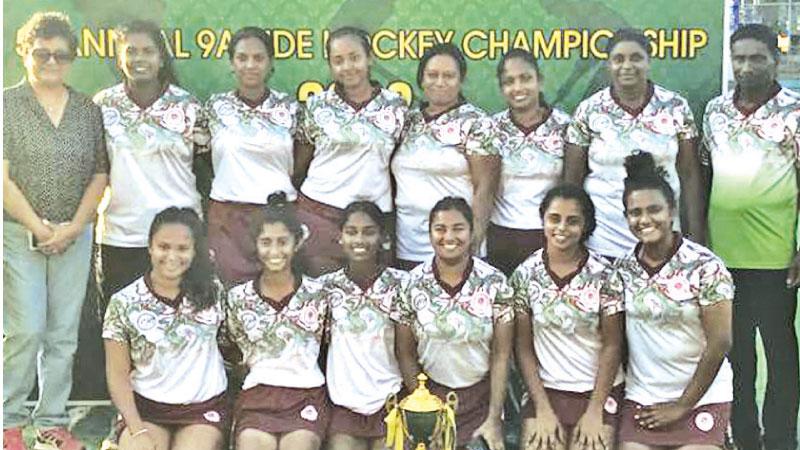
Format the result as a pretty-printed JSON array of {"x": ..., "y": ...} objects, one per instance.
[
  {"x": 166, "y": 73},
  {"x": 198, "y": 281},
  {"x": 279, "y": 210}
]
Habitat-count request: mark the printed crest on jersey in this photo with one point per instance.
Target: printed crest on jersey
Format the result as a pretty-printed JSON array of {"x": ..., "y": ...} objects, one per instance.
[
  {"x": 694, "y": 277},
  {"x": 174, "y": 119},
  {"x": 469, "y": 316},
  {"x": 135, "y": 315}
]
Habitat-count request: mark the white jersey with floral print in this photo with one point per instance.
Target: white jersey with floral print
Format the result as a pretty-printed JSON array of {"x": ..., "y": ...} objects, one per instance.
[
  {"x": 173, "y": 349},
  {"x": 532, "y": 164},
  {"x": 431, "y": 164},
  {"x": 151, "y": 152},
  {"x": 251, "y": 147},
  {"x": 611, "y": 133},
  {"x": 454, "y": 334},
  {"x": 362, "y": 368},
  {"x": 566, "y": 318},
  {"x": 663, "y": 324},
  {"x": 280, "y": 348},
  {"x": 352, "y": 148},
  {"x": 753, "y": 206}
]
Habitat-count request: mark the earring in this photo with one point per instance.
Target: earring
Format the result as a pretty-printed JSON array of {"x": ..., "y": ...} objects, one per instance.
[{"x": 306, "y": 234}]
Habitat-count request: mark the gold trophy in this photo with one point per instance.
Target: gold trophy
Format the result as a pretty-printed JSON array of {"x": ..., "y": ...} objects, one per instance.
[{"x": 422, "y": 419}]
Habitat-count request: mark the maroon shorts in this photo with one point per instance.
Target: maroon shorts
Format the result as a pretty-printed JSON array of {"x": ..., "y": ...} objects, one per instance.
[
  {"x": 346, "y": 421},
  {"x": 570, "y": 406},
  {"x": 473, "y": 406},
  {"x": 230, "y": 239},
  {"x": 704, "y": 425},
  {"x": 275, "y": 409},
  {"x": 213, "y": 411},
  {"x": 508, "y": 247},
  {"x": 321, "y": 252}
]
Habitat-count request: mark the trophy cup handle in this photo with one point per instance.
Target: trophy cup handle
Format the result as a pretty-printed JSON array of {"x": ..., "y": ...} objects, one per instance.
[
  {"x": 452, "y": 400},
  {"x": 391, "y": 402}
]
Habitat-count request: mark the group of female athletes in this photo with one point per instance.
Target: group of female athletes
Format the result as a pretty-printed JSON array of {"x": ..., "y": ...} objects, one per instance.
[
  {"x": 321, "y": 355},
  {"x": 352, "y": 243}
]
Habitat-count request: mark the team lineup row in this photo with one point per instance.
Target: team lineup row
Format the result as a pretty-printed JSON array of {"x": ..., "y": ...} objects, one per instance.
[
  {"x": 453, "y": 317},
  {"x": 359, "y": 141}
]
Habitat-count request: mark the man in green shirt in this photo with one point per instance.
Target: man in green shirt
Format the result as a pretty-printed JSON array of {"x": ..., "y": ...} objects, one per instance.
[{"x": 752, "y": 138}]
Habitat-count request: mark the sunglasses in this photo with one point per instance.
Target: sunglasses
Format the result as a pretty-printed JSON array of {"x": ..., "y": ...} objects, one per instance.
[{"x": 42, "y": 56}]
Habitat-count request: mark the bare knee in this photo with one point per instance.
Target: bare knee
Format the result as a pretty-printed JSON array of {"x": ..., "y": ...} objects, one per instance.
[
  {"x": 197, "y": 437},
  {"x": 300, "y": 440},
  {"x": 252, "y": 439},
  {"x": 341, "y": 441},
  {"x": 378, "y": 444},
  {"x": 636, "y": 446},
  {"x": 158, "y": 435},
  {"x": 698, "y": 447}
]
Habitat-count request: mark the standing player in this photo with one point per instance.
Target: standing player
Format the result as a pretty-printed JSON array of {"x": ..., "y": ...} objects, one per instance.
[
  {"x": 252, "y": 131},
  {"x": 446, "y": 151},
  {"x": 348, "y": 135},
  {"x": 752, "y": 136},
  {"x": 529, "y": 136},
  {"x": 633, "y": 114},
  {"x": 149, "y": 123}
]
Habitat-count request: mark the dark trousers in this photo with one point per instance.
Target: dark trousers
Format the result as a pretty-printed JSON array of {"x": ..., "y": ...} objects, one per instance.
[
  {"x": 114, "y": 268},
  {"x": 119, "y": 267},
  {"x": 509, "y": 247},
  {"x": 763, "y": 302}
]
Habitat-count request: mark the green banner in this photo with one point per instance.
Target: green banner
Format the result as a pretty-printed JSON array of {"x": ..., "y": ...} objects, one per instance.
[{"x": 568, "y": 36}]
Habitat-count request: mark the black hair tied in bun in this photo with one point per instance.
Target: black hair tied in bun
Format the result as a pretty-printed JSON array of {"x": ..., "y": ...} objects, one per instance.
[
  {"x": 641, "y": 165},
  {"x": 277, "y": 210},
  {"x": 277, "y": 200},
  {"x": 643, "y": 173}
]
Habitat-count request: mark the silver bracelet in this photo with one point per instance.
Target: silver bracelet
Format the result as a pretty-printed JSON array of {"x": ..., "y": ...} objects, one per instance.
[{"x": 142, "y": 431}]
